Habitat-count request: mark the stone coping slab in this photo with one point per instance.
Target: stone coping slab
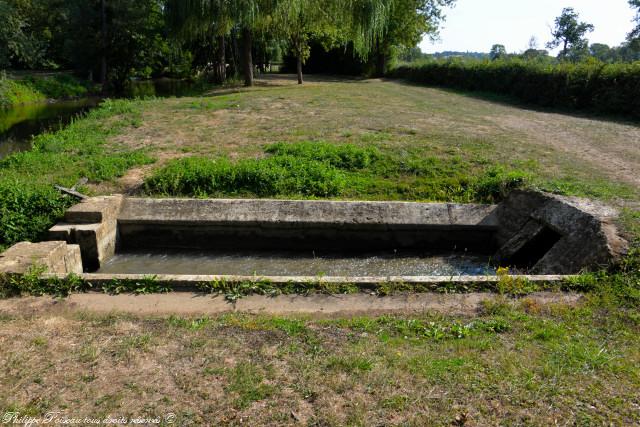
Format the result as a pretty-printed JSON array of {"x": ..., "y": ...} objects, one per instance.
[
  {"x": 191, "y": 281},
  {"x": 308, "y": 212}
]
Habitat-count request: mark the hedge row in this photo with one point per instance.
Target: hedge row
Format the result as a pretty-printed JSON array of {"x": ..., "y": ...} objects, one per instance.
[{"x": 605, "y": 88}]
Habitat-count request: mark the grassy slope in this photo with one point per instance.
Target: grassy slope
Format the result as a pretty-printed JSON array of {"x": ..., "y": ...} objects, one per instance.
[
  {"x": 527, "y": 365},
  {"x": 37, "y": 89}
]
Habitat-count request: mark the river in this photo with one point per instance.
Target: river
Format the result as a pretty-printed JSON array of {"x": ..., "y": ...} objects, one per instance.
[{"x": 18, "y": 125}]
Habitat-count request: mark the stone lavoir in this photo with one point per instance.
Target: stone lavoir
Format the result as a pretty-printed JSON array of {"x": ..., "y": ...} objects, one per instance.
[{"x": 185, "y": 241}]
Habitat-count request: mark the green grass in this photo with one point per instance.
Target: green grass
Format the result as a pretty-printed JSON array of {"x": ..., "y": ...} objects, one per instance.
[
  {"x": 29, "y": 205},
  {"x": 320, "y": 169},
  {"x": 510, "y": 364},
  {"x": 14, "y": 92},
  {"x": 37, "y": 89}
]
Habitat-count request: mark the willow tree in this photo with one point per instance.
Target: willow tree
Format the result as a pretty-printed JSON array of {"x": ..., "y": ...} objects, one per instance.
[
  {"x": 297, "y": 21},
  {"x": 408, "y": 21},
  {"x": 359, "y": 22},
  {"x": 193, "y": 20}
]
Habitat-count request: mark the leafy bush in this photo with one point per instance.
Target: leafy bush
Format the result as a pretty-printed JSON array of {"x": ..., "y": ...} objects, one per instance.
[
  {"x": 37, "y": 89},
  {"x": 606, "y": 88},
  {"x": 58, "y": 87},
  {"x": 26, "y": 211}
]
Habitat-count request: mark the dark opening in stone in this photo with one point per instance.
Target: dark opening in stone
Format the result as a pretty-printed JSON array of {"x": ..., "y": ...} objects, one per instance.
[{"x": 536, "y": 248}]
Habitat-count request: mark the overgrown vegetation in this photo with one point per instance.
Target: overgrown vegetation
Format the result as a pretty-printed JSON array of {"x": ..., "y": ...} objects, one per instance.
[
  {"x": 604, "y": 88},
  {"x": 37, "y": 89},
  {"x": 13, "y": 92},
  {"x": 28, "y": 202},
  {"x": 320, "y": 169}
]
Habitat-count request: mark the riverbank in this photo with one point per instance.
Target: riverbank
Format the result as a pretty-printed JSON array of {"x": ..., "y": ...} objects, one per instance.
[
  {"x": 29, "y": 204},
  {"x": 35, "y": 89}
]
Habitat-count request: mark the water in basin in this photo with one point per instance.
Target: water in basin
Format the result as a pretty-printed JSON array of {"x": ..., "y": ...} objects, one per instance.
[{"x": 298, "y": 263}]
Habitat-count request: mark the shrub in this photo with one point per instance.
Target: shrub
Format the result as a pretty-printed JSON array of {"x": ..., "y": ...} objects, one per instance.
[
  {"x": 14, "y": 93},
  {"x": 37, "y": 89},
  {"x": 29, "y": 204},
  {"x": 344, "y": 156},
  {"x": 26, "y": 211},
  {"x": 605, "y": 88}
]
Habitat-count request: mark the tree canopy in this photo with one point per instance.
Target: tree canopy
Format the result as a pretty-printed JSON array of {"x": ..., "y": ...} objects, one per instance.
[{"x": 570, "y": 33}]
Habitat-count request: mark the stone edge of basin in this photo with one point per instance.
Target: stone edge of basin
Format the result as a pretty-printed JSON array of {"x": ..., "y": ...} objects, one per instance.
[
  {"x": 312, "y": 212},
  {"x": 587, "y": 234},
  {"x": 189, "y": 282}
]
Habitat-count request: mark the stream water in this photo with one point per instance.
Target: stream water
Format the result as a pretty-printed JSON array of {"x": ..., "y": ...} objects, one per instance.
[
  {"x": 19, "y": 124},
  {"x": 284, "y": 263}
]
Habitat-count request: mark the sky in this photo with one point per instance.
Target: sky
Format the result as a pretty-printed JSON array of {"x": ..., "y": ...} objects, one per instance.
[{"x": 476, "y": 25}]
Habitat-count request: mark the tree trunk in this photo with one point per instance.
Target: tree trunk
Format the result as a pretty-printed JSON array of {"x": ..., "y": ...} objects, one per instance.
[
  {"x": 221, "y": 61},
  {"x": 247, "y": 59},
  {"x": 299, "y": 67},
  {"x": 233, "y": 60},
  {"x": 381, "y": 64},
  {"x": 103, "y": 56},
  {"x": 381, "y": 59}
]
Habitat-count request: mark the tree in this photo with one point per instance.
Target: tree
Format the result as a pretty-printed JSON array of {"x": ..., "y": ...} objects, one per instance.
[
  {"x": 19, "y": 45},
  {"x": 570, "y": 34},
  {"x": 602, "y": 52},
  {"x": 408, "y": 22},
  {"x": 635, "y": 33},
  {"x": 128, "y": 46},
  {"x": 497, "y": 51},
  {"x": 298, "y": 21}
]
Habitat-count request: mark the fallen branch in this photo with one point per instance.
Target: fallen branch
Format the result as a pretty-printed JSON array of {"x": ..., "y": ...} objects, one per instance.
[{"x": 71, "y": 192}]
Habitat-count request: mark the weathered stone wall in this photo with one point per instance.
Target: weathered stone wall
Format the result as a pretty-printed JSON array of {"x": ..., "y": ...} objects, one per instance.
[
  {"x": 557, "y": 235},
  {"x": 93, "y": 225},
  {"x": 538, "y": 233},
  {"x": 306, "y": 225},
  {"x": 53, "y": 257}
]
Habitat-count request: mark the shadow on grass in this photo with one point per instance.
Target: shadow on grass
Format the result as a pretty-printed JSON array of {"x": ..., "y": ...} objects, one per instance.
[{"x": 511, "y": 101}]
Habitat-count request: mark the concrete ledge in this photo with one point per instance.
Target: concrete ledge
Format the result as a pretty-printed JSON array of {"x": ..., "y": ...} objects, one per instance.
[
  {"x": 304, "y": 225},
  {"x": 308, "y": 212},
  {"x": 189, "y": 282},
  {"x": 94, "y": 210}
]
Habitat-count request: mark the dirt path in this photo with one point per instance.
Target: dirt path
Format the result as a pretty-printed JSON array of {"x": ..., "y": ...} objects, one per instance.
[
  {"x": 186, "y": 304},
  {"x": 603, "y": 148}
]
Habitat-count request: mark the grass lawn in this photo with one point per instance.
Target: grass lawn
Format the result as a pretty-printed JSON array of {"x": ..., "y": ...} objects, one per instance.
[{"x": 513, "y": 364}]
